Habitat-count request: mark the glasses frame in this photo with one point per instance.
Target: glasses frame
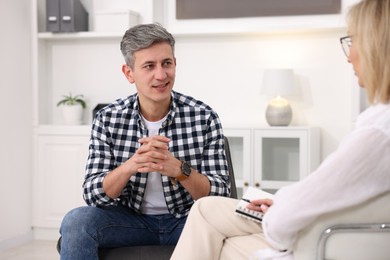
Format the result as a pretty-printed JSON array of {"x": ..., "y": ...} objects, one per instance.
[{"x": 346, "y": 44}]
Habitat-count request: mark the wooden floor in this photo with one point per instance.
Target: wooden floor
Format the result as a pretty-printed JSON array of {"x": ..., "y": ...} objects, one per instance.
[{"x": 34, "y": 250}]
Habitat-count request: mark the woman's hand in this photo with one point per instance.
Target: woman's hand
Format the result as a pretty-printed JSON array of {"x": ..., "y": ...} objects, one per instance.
[{"x": 260, "y": 205}]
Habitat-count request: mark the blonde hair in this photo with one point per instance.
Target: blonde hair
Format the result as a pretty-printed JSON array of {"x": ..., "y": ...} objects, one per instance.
[{"x": 369, "y": 25}]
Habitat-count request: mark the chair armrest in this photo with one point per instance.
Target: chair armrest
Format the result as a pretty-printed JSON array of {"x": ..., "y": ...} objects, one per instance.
[
  {"x": 376, "y": 210},
  {"x": 353, "y": 231}
]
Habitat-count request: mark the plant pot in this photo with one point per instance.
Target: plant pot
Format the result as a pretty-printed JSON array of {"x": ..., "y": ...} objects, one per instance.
[{"x": 72, "y": 114}]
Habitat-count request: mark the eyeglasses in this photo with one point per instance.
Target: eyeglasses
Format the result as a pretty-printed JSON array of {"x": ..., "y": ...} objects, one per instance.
[{"x": 346, "y": 43}]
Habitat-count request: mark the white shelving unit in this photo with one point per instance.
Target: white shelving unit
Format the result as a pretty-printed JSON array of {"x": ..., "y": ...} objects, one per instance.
[{"x": 87, "y": 63}]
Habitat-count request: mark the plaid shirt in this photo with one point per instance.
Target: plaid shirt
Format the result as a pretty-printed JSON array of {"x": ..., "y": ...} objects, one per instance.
[{"x": 196, "y": 137}]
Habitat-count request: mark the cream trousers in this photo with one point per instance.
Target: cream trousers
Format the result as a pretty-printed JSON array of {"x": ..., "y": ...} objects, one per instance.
[{"x": 213, "y": 231}]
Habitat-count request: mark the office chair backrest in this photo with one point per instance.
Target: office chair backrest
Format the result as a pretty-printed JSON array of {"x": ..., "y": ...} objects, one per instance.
[{"x": 233, "y": 188}]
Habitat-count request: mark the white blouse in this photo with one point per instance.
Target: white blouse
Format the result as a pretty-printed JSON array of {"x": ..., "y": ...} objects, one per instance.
[{"x": 360, "y": 166}]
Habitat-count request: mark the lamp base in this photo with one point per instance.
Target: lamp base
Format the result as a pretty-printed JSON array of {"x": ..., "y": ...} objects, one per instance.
[{"x": 278, "y": 112}]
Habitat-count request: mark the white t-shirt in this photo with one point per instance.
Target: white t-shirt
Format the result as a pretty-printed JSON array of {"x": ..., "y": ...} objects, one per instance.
[
  {"x": 358, "y": 170},
  {"x": 153, "y": 202}
]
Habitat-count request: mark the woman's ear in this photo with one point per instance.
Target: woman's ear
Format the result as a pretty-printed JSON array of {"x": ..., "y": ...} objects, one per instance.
[{"x": 128, "y": 73}]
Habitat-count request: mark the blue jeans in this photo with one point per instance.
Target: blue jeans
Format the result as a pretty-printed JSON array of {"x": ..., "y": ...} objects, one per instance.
[{"x": 85, "y": 229}]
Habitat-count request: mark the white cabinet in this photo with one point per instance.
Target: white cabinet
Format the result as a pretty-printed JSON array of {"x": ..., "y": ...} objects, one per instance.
[
  {"x": 59, "y": 173},
  {"x": 272, "y": 157}
]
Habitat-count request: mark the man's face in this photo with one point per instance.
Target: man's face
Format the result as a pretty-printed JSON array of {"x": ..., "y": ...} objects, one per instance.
[{"x": 153, "y": 74}]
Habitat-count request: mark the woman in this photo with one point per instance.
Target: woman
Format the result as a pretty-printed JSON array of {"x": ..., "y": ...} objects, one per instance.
[{"x": 360, "y": 166}]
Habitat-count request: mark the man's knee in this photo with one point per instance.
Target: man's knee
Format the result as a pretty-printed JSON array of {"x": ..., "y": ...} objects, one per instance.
[{"x": 79, "y": 218}]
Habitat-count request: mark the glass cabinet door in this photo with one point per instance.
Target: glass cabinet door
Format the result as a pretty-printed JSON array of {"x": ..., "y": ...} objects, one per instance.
[
  {"x": 239, "y": 142},
  {"x": 284, "y": 155}
]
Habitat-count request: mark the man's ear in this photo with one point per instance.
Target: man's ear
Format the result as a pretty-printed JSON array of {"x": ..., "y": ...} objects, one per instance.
[{"x": 128, "y": 73}]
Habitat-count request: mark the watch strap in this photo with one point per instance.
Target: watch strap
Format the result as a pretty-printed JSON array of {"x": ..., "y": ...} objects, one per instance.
[
  {"x": 185, "y": 171},
  {"x": 181, "y": 177}
]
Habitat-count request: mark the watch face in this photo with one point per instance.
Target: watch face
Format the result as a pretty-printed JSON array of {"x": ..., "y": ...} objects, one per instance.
[{"x": 186, "y": 168}]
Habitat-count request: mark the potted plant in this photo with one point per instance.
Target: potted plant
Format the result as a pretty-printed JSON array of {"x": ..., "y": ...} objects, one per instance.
[{"x": 72, "y": 108}]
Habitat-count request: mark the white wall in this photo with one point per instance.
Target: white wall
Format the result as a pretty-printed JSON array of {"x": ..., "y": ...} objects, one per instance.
[
  {"x": 226, "y": 72},
  {"x": 16, "y": 122}
]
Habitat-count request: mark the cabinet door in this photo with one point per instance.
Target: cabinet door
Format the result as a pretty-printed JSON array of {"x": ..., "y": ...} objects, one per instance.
[
  {"x": 284, "y": 155},
  {"x": 58, "y": 177},
  {"x": 240, "y": 149}
]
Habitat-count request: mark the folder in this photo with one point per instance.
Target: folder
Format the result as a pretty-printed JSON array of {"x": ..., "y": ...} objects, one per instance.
[
  {"x": 66, "y": 16},
  {"x": 53, "y": 15}
]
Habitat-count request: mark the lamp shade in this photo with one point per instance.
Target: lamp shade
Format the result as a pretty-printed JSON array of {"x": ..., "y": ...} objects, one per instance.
[{"x": 278, "y": 82}]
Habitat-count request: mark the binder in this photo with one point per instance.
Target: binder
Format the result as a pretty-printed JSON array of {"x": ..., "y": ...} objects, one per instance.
[
  {"x": 53, "y": 15},
  {"x": 66, "y": 16}
]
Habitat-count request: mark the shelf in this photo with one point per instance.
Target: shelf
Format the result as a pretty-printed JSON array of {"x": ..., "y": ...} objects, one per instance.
[
  {"x": 63, "y": 130},
  {"x": 79, "y": 35},
  {"x": 79, "y": 63}
]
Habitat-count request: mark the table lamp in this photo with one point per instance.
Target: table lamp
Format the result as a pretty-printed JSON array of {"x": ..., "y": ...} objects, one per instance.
[{"x": 277, "y": 83}]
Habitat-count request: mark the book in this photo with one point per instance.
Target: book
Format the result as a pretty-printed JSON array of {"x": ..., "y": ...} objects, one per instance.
[{"x": 251, "y": 194}]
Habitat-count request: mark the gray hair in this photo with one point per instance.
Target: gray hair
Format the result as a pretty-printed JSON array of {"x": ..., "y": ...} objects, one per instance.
[{"x": 143, "y": 36}]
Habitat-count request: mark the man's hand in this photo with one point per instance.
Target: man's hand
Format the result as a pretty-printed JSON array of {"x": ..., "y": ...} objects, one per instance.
[{"x": 154, "y": 155}]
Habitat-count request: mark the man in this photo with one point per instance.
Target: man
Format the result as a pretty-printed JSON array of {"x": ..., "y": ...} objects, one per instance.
[{"x": 150, "y": 156}]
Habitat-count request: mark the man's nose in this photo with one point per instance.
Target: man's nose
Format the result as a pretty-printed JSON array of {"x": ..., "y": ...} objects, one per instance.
[{"x": 160, "y": 73}]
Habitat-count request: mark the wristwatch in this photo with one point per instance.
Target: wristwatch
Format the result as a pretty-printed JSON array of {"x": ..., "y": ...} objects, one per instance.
[{"x": 185, "y": 171}]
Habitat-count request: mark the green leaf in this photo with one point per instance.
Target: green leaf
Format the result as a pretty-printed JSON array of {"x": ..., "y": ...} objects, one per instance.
[{"x": 72, "y": 100}]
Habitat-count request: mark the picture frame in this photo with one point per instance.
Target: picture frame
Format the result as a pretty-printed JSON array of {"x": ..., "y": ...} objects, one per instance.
[
  {"x": 205, "y": 9},
  {"x": 264, "y": 24}
]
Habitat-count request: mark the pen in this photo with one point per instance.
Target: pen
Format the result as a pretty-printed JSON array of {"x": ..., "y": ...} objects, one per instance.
[{"x": 247, "y": 200}]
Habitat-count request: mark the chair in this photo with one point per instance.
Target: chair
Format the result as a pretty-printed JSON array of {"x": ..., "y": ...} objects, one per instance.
[
  {"x": 359, "y": 232},
  {"x": 156, "y": 252}
]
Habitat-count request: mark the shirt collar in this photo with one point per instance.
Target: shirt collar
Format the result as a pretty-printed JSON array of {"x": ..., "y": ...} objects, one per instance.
[{"x": 170, "y": 116}]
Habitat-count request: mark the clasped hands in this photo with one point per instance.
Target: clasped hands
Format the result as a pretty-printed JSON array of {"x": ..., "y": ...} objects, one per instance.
[{"x": 154, "y": 156}]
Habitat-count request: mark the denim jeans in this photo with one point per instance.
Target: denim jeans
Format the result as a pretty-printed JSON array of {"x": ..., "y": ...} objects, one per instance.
[{"x": 85, "y": 229}]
